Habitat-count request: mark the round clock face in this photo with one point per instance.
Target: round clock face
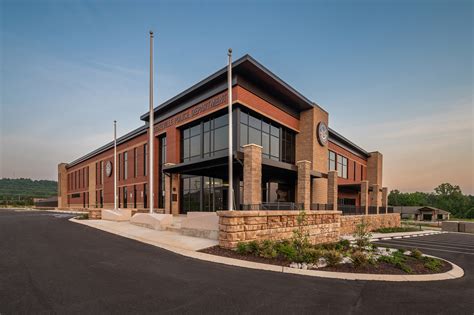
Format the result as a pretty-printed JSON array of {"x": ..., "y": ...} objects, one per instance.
[
  {"x": 108, "y": 168},
  {"x": 323, "y": 133}
]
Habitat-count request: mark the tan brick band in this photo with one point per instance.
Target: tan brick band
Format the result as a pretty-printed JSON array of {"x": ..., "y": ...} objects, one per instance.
[
  {"x": 375, "y": 221},
  {"x": 246, "y": 226}
]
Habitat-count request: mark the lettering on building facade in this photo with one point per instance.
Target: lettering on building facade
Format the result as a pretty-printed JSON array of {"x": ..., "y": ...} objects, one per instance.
[{"x": 193, "y": 111}]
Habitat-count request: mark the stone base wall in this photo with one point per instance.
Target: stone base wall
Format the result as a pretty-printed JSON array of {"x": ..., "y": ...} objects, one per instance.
[
  {"x": 246, "y": 226},
  {"x": 375, "y": 221},
  {"x": 95, "y": 214}
]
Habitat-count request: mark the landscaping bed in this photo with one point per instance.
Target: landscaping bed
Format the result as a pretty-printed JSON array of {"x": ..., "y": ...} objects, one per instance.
[
  {"x": 359, "y": 256},
  {"x": 397, "y": 229}
]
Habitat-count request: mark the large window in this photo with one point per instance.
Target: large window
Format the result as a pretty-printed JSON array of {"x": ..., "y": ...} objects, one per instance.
[
  {"x": 202, "y": 193},
  {"x": 341, "y": 166},
  {"x": 205, "y": 139},
  {"x": 135, "y": 162},
  {"x": 145, "y": 159},
  {"x": 278, "y": 142},
  {"x": 332, "y": 161},
  {"x": 125, "y": 165}
]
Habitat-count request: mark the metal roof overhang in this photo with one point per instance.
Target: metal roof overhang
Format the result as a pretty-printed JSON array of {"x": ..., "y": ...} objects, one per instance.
[{"x": 247, "y": 67}]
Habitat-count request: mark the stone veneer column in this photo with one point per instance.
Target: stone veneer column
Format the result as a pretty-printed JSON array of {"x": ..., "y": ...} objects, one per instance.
[
  {"x": 385, "y": 198},
  {"x": 319, "y": 191},
  {"x": 332, "y": 189},
  {"x": 304, "y": 184},
  {"x": 375, "y": 197},
  {"x": 62, "y": 186},
  {"x": 374, "y": 168},
  {"x": 364, "y": 195},
  {"x": 252, "y": 176}
]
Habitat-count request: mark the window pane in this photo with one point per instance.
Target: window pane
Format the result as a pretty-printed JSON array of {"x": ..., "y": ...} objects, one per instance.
[
  {"x": 186, "y": 133},
  {"x": 274, "y": 147},
  {"x": 221, "y": 121},
  {"x": 207, "y": 126},
  {"x": 244, "y": 118},
  {"x": 186, "y": 148},
  {"x": 221, "y": 138},
  {"x": 195, "y": 149},
  {"x": 266, "y": 143},
  {"x": 254, "y": 122},
  {"x": 207, "y": 145},
  {"x": 195, "y": 130},
  {"x": 275, "y": 131},
  {"x": 243, "y": 135},
  {"x": 265, "y": 127},
  {"x": 339, "y": 171},
  {"x": 254, "y": 136},
  {"x": 332, "y": 165}
]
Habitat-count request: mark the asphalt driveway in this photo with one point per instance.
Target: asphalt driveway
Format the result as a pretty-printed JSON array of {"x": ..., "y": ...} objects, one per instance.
[{"x": 51, "y": 265}]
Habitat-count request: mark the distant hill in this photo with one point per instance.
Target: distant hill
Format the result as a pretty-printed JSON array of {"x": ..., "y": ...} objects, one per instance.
[{"x": 21, "y": 191}]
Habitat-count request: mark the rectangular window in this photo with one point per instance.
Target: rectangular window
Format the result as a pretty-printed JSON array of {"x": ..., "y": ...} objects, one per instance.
[
  {"x": 205, "y": 139},
  {"x": 125, "y": 165},
  {"x": 145, "y": 199},
  {"x": 96, "y": 173},
  {"x": 278, "y": 143},
  {"x": 145, "y": 158},
  {"x": 135, "y": 163},
  {"x": 101, "y": 172},
  {"x": 332, "y": 161},
  {"x": 161, "y": 163},
  {"x": 342, "y": 166},
  {"x": 355, "y": 170}
]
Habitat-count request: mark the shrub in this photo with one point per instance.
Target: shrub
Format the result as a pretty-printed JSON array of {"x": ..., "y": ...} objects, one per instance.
[
  {"x": 343, "y": 245},
  {"x": 397, "y": 259},
  {"x": 84, "y": 216},
  {"x": 359, "y": 258},
  {"x": 300, "y": 234},
  {"x": 287, "y": 251},
  {"x": 416, "y": 253},
  {"x": 395, "y": 229},
  {"x": 333, "y": 257},
  {"x": 311, "y": 255},
  {"x": 253, "y": 247},
  {"x": 242, "y": 248},
  {"x": 362, "y": 234},
  {"x": 433, "y": 264},
  {"x": 267, "y": 249}
]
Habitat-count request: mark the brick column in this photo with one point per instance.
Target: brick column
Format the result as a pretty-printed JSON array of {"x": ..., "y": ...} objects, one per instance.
[
  {"x": 304, "y": 184},
  {"x": 364, "y": 195},
  {"x": 252, "y": 176},
  {"x": 92, "y": 181},
  {"x": 385, "y": 198},
  {"x": 332, "y": 189},
  {"x": 62, "y": 186},
  {"x": 375, "y": 197}
]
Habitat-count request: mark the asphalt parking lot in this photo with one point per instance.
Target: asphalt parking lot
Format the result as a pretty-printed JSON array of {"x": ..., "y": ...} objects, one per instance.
[{"x": 50, "y": 265}]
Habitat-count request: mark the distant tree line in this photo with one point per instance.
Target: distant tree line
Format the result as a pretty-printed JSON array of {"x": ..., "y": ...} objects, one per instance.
[
  {"x": 446, "y": 197},
  {"x": 21, "y": 191}
]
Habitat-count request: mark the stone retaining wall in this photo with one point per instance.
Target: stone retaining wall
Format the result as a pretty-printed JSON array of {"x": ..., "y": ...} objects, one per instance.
[
  {"x": 375, "y": 221},
  {"x": 246, "y": 226}
]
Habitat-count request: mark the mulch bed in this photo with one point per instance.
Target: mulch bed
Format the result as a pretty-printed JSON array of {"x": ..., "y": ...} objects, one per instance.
[{"x": 381, "y": 267}]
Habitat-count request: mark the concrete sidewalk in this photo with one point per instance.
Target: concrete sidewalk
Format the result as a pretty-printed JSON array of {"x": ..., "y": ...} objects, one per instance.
[{"x": 158, "y": 238}]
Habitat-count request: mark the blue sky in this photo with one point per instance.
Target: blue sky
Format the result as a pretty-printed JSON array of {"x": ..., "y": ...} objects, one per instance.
[{"x": 395, "y": 76}]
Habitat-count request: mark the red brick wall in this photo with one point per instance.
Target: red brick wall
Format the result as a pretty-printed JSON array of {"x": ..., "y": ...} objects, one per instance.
[{"x": 350, "y": 167}]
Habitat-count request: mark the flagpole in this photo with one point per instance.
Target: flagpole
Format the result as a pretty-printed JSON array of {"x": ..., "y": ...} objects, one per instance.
[
  {"x": 229, "y": 87},
  {"x": 151, "y": 123},
  {"x": 115, "y": 165}
]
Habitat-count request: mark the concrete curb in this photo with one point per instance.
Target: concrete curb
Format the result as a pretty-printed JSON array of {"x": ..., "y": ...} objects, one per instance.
[
  {"x": 456, "y": 272},
  {"x": 400, "y": 236}
]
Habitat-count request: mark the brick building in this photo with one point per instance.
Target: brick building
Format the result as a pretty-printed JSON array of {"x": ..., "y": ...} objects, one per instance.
[{"x": 285, "y": 155}]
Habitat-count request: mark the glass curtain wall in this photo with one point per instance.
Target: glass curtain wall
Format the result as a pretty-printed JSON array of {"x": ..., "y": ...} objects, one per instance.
[
  {"x": 202, "y": 193},
  {"x": 208, "y": 138},
  {"x": 278, "y": 142}
]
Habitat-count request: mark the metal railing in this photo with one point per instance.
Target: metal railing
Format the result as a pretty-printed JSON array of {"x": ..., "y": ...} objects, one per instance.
[
  {"x": 322, "y": 206},
  {"x": 351, "y": 210},
  {"x": 273, "y": 206},
  {"x": 373, "y": 210},
  {"x": 389, "y": 209}
]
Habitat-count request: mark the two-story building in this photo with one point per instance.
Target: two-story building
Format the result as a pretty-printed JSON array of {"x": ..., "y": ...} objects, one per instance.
[{"x": 284, "y": 155}]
